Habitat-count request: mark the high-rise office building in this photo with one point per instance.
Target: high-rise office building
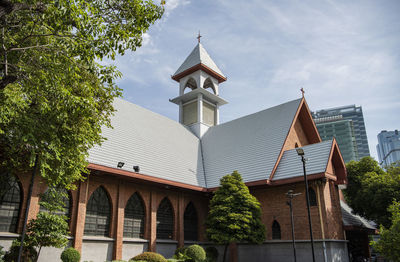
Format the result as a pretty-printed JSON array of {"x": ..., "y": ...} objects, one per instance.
[
  {"x": 388, "y": 147},
  {"x": 346, "y": 124}
]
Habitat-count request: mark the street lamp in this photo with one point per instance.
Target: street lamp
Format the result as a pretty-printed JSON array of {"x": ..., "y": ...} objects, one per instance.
[
  {"x": 290, "y": 195},
  {"x": 300, "y": 152}
]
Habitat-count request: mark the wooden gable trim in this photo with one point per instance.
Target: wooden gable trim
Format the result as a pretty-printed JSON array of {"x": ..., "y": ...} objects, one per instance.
[
  {"x": 284, "y": 141},
  {"x": 301, "y": 178},
  {"x": 129, "y": 174},
  {"x": 302, "y": 113},
  {"x": 203, "y": 67},
  {"x": 337, "y": 160}
]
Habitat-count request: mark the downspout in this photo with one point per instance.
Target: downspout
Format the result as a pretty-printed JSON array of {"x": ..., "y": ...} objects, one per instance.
[{"x": 320, "y": 221}]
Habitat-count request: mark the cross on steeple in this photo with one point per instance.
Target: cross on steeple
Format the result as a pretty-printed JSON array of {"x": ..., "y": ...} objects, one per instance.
[
  {"x": 302, "y": 92},
  {"x": 198, "y": 37}
]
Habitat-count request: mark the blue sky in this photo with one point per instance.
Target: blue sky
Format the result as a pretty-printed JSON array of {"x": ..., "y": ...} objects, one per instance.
[{"x": 341, "y": 52}]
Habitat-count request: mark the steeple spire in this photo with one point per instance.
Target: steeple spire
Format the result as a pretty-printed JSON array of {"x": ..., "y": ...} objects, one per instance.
[{"x": 199, "y": 108}]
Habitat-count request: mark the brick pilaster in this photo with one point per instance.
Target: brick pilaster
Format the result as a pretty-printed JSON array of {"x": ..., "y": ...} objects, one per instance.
[
  {"x": 80, "y": 215},
  {"x": 180, "y": 229},
  {"x": 153, "y": 223},
  {"x": 119, "y": 220}
]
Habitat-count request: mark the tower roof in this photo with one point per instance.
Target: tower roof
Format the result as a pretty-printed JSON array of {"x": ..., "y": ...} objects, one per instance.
[{"x": 199, "y": 59}]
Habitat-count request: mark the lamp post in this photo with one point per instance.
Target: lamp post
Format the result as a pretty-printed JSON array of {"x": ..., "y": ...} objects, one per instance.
[
  {"x": 300, "y": 152},
  {"x": 290, "y": 195}
]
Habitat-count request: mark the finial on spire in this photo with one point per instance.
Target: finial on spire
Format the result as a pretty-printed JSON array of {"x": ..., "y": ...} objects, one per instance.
[
  {"x": 198, "y": 37},
  {"x": 302, "y": 92}
]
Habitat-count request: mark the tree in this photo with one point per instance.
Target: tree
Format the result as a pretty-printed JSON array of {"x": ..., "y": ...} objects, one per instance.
[
  {"x": 47, "y": 230},
  {"x": 388, "y": 244},
  {"x": 54, "y": 96},
  {"x": 235, "y": 215},
  {"x": 371, "y": 190}
]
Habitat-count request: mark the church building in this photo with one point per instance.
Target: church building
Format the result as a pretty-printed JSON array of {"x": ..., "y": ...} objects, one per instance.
[{"x": 152, "y": 179}]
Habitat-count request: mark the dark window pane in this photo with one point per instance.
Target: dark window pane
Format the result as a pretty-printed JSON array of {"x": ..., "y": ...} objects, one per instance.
[
  {"x": 165, "y": 220},
  {"x": 10, "y": 199},
  {"x": 276, "y": 230},
  {"x": 313, "y": 197},
  {"x": 98, "y": 213},
  {"x": 190, "y": 223},
  {"x": 134, "y": 218}
]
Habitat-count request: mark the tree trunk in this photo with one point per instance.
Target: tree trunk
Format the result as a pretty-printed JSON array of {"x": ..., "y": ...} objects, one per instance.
[{"x": 225, "y": 249}]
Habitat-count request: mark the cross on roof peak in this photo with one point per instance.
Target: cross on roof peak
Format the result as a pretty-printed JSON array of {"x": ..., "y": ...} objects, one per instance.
[
  {"x": 302, "y": 92},
  {"x": 198, "y": 37}
]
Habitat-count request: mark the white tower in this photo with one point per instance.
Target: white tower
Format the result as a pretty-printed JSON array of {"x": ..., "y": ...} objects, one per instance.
[{"x": 199, "y": 78}]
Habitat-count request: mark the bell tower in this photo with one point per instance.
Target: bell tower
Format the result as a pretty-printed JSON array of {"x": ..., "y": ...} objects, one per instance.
[{"x": 199, "y": 78}]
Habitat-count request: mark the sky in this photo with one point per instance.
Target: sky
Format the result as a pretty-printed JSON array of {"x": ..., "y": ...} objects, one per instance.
[{"x": 341, "y": 52}]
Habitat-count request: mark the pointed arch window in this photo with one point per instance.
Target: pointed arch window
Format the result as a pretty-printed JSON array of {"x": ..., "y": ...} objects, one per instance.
[
  {"x": 312, "y": 196},
  {"x": 209, "y": 84},
  {"x": 134, "y": 218},
  {"x": 165, "y": 220},
  {"x": 10, "y": 203},
  {"x": 66, "y": 199},
  {"x": 191, "y": 83},
  {"x": 190, "y": 223},
  {"x": 276, "y": 230},
  {"x": 98, "y": 214}
]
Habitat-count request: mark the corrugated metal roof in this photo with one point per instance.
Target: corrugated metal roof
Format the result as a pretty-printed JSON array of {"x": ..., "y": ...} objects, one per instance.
[
  {"x": 160, "y": 146},
  {"x": 317, "y": 156},
  {"x": 199, "y": 55},
  {"x": 250, "y": 144},
  {"x": 350, "y": 219}
]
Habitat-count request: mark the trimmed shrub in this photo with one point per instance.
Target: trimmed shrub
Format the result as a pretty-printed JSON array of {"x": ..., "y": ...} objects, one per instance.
[
  {"x": 70, "y": 255},
  {"x": 149, "y": 257},
  {"x": 212, "y": 254},
  {"x": 196, "y": 253}
]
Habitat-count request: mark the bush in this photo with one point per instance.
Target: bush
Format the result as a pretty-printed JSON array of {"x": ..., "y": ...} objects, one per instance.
[
  {"x": 28, "y": 255},
  {"x": 149, "y": 257},
  {"x": 212, "y": 254},
  {"x": 70, "y": 255},
  {"x": 196, "y": 253}
]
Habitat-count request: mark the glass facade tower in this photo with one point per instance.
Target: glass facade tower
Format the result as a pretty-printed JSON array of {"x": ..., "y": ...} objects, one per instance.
[
  {"x": 346, "y": 124},
  {"x": 388, "y": 147}
]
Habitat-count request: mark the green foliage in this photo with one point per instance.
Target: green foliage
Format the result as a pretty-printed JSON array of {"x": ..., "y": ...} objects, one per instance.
[
  {"x": 28, "y": 252},
  {"x": 196, "y": 253},
  {"x": 371, "y": 190},
  {"x": 388, "y": 244},
  {"x": 149, "y": 257},
  {"x": 180, "y": 250},
  {"x": 211, "y": 254},
  {"x": 70, "y": 255},
  {"x": 2, "y": 253},
  {"x": 235, "y": 215},
  {"x": 54, "y": 95}
]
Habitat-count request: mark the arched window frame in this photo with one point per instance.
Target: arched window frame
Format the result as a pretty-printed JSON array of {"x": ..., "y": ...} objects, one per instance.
[
  {"x": 12, "y": 197},
  {"x": 312, "y": 196},
  {"x": 190, "y": 223},
  {"x": 276, "y": 230},
  {"x": 191, "y": 84},
  {"x": 98, "y": 219},
  {"x": 165, "y": 220},
  {"x": 134, "y": 222},
  {"x": 208, "y": 83}
]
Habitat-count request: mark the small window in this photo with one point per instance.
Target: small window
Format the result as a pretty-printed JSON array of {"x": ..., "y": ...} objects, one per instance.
[
  {"x": 134, "y": 217},
  {"x": 10, "y": 203},
  {"x": 276, "y": 230},
  {"x": 98, "y": 214},
  {"x": 312, "y": 196},
  {"x": 165, "y": 220},
  {"x": 190, "y": 223}
]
